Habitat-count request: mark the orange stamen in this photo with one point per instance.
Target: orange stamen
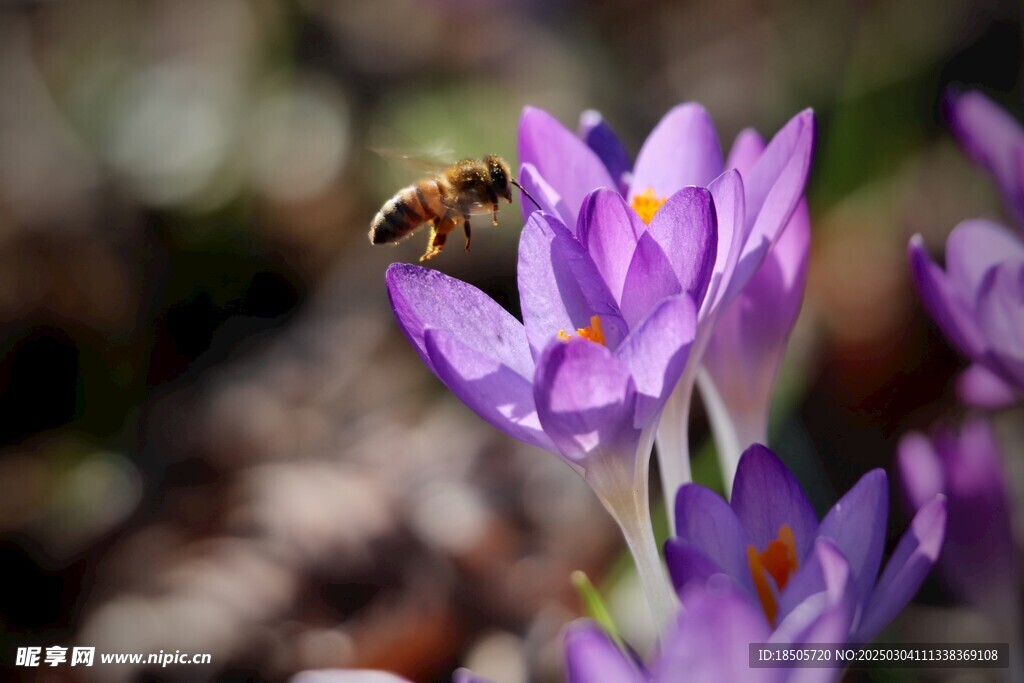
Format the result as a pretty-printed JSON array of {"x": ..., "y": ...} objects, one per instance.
[
  {"x": 593, "y": 332},
  {"x": 778, "y": 560},
  {"x": 646, "y": 204}
]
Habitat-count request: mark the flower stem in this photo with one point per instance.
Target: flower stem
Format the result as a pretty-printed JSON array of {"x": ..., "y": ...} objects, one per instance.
[
  {"x": 674, "y": 444},
  {"x": 639, "y": 535},
  {"x": 630, "y": 508}
]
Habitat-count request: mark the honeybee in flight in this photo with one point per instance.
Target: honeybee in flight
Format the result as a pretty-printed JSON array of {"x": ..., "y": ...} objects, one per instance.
[{"x": 467, "y": 187}]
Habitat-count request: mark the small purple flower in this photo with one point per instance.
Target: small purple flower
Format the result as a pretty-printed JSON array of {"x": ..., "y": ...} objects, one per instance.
[
  {"x": 709, "y": 640},
  {"x": 769, "y": 542},
  {"x": 979, "y": 559},
  {"x": 995, "y": 140},
  {"x": 978, "y": 302},
  {"x": 646, "y": 262},
  {"x": 593, "y": 398}
]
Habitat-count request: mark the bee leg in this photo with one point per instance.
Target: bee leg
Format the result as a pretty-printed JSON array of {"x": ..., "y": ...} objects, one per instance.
[
  {"x": 436, "y": 243},
  {"x": 494, "y": 206},
  {"x": 469, "y": 233}
]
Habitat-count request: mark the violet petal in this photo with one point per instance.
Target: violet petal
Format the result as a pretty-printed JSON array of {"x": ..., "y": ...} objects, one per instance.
[
  {"x": 494, "y": 391},
  {"x": 609, "y": 231},
  {"x": 585, "y": 399},
  {"x": 600, "y": 137},
  {"x": 944, "y": 301},
  {"x": 676, "y": 254},
  {"x": 705, "y": 521},
  {"x": 766, "y": 495},
  {"x": 561, "y": 158},
  {"x": 910, "y": 563},
  {"x": 656, "y": 351},
  {"x": 980, "y": 387},
  {"x": 560, "y": 288},
  {"x": 592, "y": 657},
  {"x": 773, "y": 187},
  {"x": 682, "y": 150},
  {"x": 424, "y": 298},
  {"x": 857, "y": 526}
]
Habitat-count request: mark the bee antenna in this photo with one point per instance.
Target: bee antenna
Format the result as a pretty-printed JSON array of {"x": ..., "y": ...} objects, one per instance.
[{"x": 527, "y": 194}]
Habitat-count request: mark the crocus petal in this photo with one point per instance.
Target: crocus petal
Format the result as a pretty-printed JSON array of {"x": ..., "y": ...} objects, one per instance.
[
  {"x": 560, "y": 288},
  {"x": 592, "y": 657},
  {"x": 656, "y": 351},
  {"x": 711, "y": 638},
  {"x": 750, "y": 335},
  {"x": 815, "y": 621},
  {"x": 346, "y": 676},
  {"x": 825, "y": 573},
  {"x": 857, "y": 526},
  {"x": 730, "y": 211},
  {"x": 980, "y": 387},
  {"x": 976, "y": 246},
  {"x": 688, "y": 563},
  {"x": 546, "y": 196},
  {"x": 979, "y": 557},
  {"x": 585, "y": 399},
  {"x": 910, "y": 563},
  {"x": 1001, "y": 317},
  {"x": 493, "y": 390},
  {"x": 766, "y": 495},
  {"x": 992, "y": 138},
  {"x": 676, "y": 254},
  {"x": 609, "y": 230},
  {"x": 682, "y": 150},
  {"x": 561, "y": 158},
  {"x": 946, "y": 304},
  {"x": 921, "y": 476},
  {"x": 705, "y": 521},
  {"x": 423, "y": 298},
  {"x": 600, "y": 137},
  {"x": 746, "y": 149},
  {"x": 773, "y": 188}
]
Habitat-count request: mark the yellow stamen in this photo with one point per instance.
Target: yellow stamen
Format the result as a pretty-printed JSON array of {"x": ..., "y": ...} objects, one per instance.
[
  {"x": 778, "y": 560},
  {"x": 593, "y": 332},
  {"x": 646, "y": 204}
]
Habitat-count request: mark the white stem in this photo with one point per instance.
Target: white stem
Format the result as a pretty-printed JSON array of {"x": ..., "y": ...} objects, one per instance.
[
  {"x": 674, "y": 433},
  {"x": 639, "y": 535},
  {"x": 630, "y": 508},
  {"x": 674, "y": 445}
]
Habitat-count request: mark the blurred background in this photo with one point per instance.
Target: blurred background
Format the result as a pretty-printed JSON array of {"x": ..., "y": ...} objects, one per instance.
[{"x": 214, "y": 438}]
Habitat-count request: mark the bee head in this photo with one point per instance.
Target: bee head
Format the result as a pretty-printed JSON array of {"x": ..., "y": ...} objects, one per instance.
[{"x": 499, "y": 174}]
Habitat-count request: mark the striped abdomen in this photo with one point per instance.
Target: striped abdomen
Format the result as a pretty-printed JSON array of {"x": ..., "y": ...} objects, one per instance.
[{"x": 410, "y": 208}]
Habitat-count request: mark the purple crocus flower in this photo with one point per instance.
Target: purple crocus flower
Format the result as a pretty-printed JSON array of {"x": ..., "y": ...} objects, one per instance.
[
  {"x": 769, "y": 542},
  {"x": 709, "y": 640},
  {"x": 978, "y": 302},
  {"x": 560, "y": 169},
  {"x": 995, "y": 140},
  {"x": 746, "y": 348},
  {"x": 979, "y": 560},
  {"x": 593, "y": 398}
]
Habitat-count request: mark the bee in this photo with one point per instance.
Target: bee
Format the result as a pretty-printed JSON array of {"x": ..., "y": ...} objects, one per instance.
[{"x": 465, "y": 188}]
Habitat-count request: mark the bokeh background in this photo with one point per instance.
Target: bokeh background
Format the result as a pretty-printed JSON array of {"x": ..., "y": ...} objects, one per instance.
[{"x": 213, "y": 437}]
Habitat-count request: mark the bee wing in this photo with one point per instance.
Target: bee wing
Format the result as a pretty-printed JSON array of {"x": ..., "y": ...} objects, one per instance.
[
  {"x": 420, "y": 162},
  {"x": 473, "y": 209},
  {"x": 399, "y": 149}
]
